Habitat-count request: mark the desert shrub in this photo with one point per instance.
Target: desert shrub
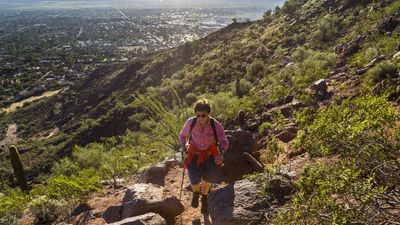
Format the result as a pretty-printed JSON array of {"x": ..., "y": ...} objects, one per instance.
[
  {"x": 290, "y": 6},
  {"x": 330, "y": 195},
  {"x": 12, "y": 204},
  {"x": 74, "y": 187},
  {"x": 256, "y": 70},
  {"x": 113, "y": 158},
  {"x": 48, "y": 209},
  {"x": 244, "y": 87},
  {"x": 365, "y": 128},
  {"x": 311, "y": 66},
  {"x": 378, "y": 73},
  {"x": 264, "y": 177},
  {"x": 225, "y": 105},
  {"x": 328, "y": 28},
  {"x": 170, "y": 120},
  {"x": 346, "y": 128},
  {"x": 265, "y": 127},
  {"x": 274, "y": 147}
]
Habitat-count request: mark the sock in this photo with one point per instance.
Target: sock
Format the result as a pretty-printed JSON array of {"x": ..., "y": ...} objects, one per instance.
[
  {"x": 205, "y": 187},
  {"x": 196, "y": 187}
]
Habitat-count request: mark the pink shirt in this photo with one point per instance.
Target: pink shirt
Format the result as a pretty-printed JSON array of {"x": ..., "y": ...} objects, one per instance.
[{"x": 203, "y": 139}]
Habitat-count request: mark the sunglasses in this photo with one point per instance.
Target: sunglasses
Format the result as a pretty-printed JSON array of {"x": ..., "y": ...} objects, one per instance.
[{"x": 201, "y": 115}]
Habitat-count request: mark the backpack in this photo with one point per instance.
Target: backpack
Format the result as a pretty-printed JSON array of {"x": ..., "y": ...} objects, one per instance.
[{"x": 212, "y": 123}]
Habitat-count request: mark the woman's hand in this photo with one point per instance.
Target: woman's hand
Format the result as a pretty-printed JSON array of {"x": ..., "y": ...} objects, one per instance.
[{"x": 219, "y": 159}]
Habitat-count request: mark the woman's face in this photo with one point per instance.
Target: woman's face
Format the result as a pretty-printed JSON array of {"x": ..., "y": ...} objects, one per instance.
[{"x": 202, "y": 116}]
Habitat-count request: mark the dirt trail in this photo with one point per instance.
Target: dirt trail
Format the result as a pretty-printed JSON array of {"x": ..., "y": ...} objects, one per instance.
[{"x": 172, "y": 187}]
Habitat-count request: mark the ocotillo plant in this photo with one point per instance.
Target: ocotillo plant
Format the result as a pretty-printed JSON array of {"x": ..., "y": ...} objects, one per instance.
[{"x": 18, "y": 168}]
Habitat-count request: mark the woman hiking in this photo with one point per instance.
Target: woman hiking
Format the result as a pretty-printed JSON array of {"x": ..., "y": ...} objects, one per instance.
[{"x": 204, "y": 151}]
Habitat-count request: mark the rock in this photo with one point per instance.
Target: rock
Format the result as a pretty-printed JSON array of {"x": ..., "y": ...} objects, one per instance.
[
  {"x": 362, "y": 71},
  {"x": 111, "y": 182},
  {"x": 389, "y": 24},
  {"x": 144, "y": 198},
  {"x": 320, "y": 86},
  {"x": 286, "y": 136},
  {"x": 254, "y": 163},
  {"x": 156, "y": 174},
  {"x": 288, "y": 99},
  {"x": 241, "y": 116},
  {"x": 338, "y": 71},
  {"x": 153, "y": 175},
  {"x": 293, "y": 129},
  {"x": 286, "y": 111},
  {"x": 235, "y": 166},
  {"x": 80, "y": 209},
  {"x": 253, "y": 127},
  {"x": 87, "y": 216},
  {"x": 280, "y": 188},
  {"x": 397, "y": 55},
  {"x": 376, "y": 61},
  {"x": 145, "y": 219},
  {"x": 237, "y": 203},
  {"x": 240, "y": 141},
  {"x": 266, "y": 117},
  {"x": 112, "y": 214},
  {"x": 268, "y": 106},
  {"x": 296, "y": 104},
  {"x": 350, "y": 48}
]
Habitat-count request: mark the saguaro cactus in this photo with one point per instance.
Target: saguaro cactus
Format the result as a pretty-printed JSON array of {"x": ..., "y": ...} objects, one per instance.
[{"x": 18, "y": 168}]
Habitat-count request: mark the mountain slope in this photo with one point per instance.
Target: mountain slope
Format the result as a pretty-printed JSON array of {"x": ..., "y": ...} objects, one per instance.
[
  {"x": 269, "y": 71},
  {"x": 254, "y": 53}
]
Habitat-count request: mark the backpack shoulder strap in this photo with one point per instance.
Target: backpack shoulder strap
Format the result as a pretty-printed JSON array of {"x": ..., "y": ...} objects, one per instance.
[
  {"x": 194, "y": 121},
  {"x": 212, "y": 123}
]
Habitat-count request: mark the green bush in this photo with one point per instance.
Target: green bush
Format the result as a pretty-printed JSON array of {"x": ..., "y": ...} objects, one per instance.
[
  {"x": 365, "y": 129},
  {"x": 290, "y": 6},
  {"x": 330, "y": 195},
  {"x": 265, "y": 127},
  {"x": 244, "y": 85},
  {"x": 256, "y": 70},
  {"x": 311, "y": 66},
  {"x": 75, "y": 187},
  {"x": 225, "y": 105},
  {"x": 380, "y": 72},
  {"x": 274, "y": 147},
  {"x": 328, "y": 28},
  {"x": 12, "y": 204},
  {"x": 348, "y": 128}
]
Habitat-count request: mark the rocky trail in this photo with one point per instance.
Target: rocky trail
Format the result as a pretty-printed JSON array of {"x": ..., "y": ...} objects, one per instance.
[{"x": 153, "y": 196}]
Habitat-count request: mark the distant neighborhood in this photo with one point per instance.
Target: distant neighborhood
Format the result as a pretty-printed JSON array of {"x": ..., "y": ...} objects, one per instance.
[{"x": 50, "y": 50}]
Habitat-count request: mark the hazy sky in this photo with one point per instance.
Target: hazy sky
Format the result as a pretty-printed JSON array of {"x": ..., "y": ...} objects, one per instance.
[{"x": 137, "y": 3}]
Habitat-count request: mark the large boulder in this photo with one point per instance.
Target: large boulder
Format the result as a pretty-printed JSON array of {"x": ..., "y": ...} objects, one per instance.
[
  {"x": 389, "y": 24},
  {"x": 146, "y": 219},
  {"x": 320, "y": 86},
  {"x": 144, "y": 198},
  {"x": 286, "y": 136},
  {"x": 238, "y": 203},
  {"x": 235, "y": 165},
  {"x": 156, "y": 174}
]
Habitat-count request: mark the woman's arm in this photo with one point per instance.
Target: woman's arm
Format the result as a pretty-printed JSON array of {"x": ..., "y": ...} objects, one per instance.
[{"x": 185, "y": 132}]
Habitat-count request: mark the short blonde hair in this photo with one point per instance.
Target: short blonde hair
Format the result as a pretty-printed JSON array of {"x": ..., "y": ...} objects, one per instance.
[{"x": 202, "y": 105}]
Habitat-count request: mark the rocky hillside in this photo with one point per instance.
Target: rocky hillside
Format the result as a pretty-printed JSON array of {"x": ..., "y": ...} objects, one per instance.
[{"x": 314, "y": 87}]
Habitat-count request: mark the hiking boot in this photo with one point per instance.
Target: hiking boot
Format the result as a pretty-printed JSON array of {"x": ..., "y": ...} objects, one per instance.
[
  {"x": 204, "y": 204},
  {"x": 195, "y": 199}
]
